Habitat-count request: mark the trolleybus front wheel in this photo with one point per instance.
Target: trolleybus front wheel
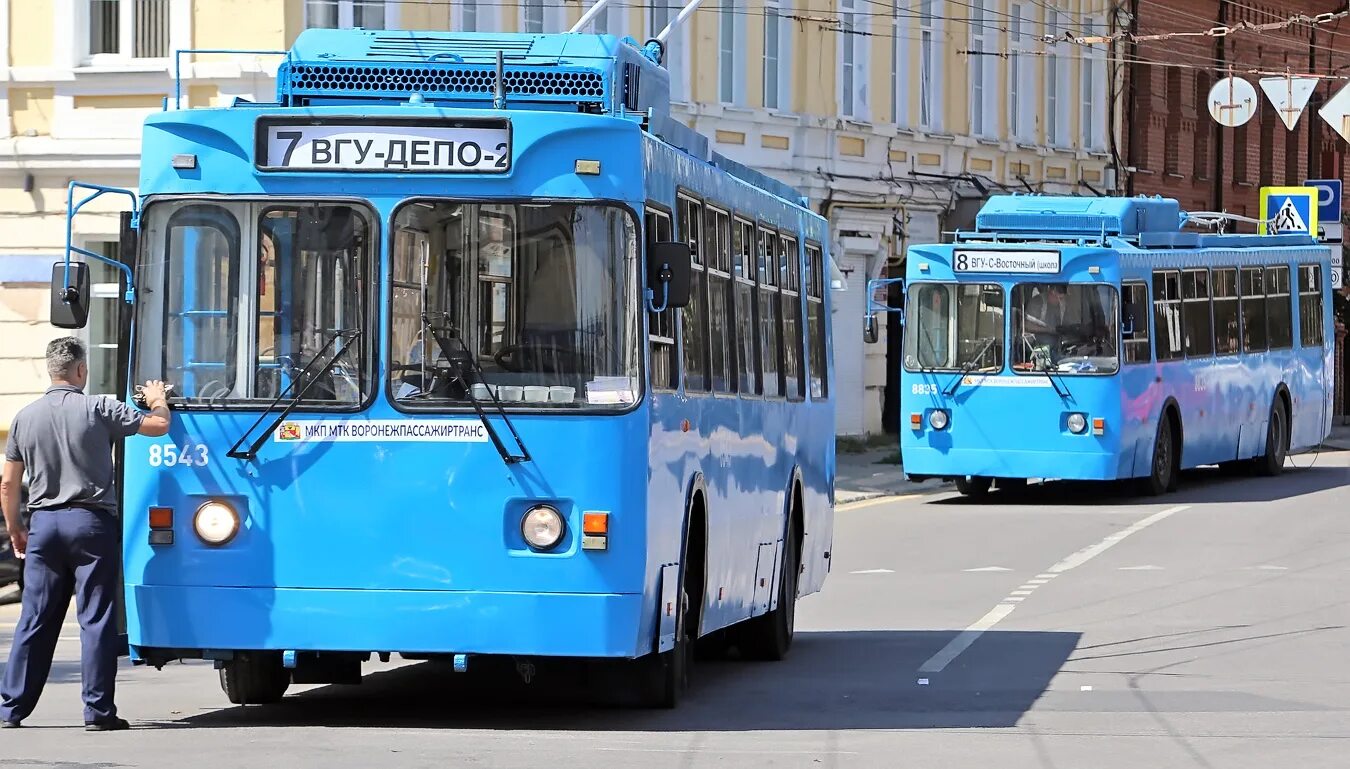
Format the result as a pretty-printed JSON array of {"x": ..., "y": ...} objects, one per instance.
[
  {"x": 259, "y": 678},
  {"x": 1166, "y": 464},
  {"x": 974, "y": 485},
  {"x": 662, "y": 677}
]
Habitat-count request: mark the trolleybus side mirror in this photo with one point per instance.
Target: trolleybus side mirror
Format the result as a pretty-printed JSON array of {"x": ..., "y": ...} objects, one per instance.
[
  {"x": 870, "y": 332},
  {"x": 70, "y": 295},
  {"x": 884, "y": 295},
  {"x": 668, "y": 273}
]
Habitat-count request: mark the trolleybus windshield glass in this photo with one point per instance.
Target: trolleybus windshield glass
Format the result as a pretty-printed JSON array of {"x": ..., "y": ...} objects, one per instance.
[
  {"x": 239, "y": 297},
  {"x": 1067, "y": 328},
  {"x": 542, "y": 295},
  {"x": 954, "y": 326}
]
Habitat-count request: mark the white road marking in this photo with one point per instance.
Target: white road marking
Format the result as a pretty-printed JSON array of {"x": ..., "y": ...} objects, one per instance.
[
  {"x": 1273, "y": 568},
  {"x": 1088, "y": 553},
  {"x": 1037, "y": 581},
  {"x": 873, "y": 571},
  {"x": 1085, "y": 688},
  {"x": 1140, "y": 568},
  {"x": 1021, "y": 592},
  {"x": 988, "y": 568},
  {"x": 965, "y": 638},
  {"x": 938, "y": 662}
]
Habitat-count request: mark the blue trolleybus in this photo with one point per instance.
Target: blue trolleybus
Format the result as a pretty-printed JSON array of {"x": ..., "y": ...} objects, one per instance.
[
  {"x": 1100, "y": 339},
  {"x": 474, "y": 351}
]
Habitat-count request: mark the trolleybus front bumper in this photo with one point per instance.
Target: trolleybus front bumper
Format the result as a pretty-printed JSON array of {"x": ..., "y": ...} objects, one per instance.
[
  {"x": 202, "y": 619},
  {"x": 925, "y": 462}
]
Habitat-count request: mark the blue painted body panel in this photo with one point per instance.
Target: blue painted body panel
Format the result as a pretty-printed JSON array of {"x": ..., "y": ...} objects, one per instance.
[
  {"x": 416, "y": 547},
  {"x": 1021, "y": 432}
]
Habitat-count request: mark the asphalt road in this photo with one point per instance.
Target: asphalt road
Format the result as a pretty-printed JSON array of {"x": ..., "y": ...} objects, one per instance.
[{"x": 1207, "y": 628}]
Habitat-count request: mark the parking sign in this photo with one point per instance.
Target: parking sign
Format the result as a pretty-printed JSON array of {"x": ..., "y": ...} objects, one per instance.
[{"x": 1328, "y": 207}]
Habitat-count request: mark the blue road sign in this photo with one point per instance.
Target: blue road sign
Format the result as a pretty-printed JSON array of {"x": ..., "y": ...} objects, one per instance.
[{"x": 1328, "y": 199}]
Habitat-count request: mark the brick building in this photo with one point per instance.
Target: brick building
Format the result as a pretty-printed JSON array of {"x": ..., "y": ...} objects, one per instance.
[{"x": 1169, "y": 138}]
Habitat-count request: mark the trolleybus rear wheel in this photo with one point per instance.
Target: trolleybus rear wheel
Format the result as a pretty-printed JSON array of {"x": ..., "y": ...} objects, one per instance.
[
  {"x": 769, "y": 636},
  {"x": 257, "y": 679},
  {"x": 974, "y": 485},
  {"x": 1163, "y": 471},
  {"x": 1277, "y": 441}
]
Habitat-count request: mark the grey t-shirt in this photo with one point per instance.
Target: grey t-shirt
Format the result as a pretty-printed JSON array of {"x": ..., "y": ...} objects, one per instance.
[{"x": 64, "y": 439}]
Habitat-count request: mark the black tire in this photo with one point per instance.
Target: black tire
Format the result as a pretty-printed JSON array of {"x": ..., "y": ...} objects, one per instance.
[
  {"x": 974, "y": 485},
  {"x": 1163, "y": 470},
  {"x": 1271, "y": 463},
  {"x": 769, "y": 636},
  {"x": 258, "y": 679}
]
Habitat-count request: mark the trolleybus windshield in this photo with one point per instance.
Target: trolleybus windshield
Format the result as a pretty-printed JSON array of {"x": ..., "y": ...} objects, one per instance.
[
  {"x": 542, "y": 295},
  {"x": 954, "y": 327},
  {"x": 1067, "y": 328},
  {"x": 239, "y": 297}
]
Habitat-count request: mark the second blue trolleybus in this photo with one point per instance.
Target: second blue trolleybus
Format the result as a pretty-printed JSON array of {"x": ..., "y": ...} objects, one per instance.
[
  {"x": 1099, "y": 339},
  {"x": 474, "y": 351}
]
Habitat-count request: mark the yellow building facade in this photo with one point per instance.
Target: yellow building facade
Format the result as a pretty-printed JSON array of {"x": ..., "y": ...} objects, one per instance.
[{"x": 895, "y": 118}]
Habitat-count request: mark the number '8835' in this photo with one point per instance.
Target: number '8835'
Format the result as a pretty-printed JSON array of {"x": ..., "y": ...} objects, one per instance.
[{"x": 188, "y": 455}]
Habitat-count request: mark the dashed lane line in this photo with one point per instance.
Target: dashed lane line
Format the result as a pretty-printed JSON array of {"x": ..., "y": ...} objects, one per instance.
[{"x": 939, "y": 662}]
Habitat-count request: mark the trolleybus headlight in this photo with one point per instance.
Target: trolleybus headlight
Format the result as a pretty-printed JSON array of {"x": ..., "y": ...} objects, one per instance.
[
  {"x": 216, "y": 523},
  {"x": 1077, "y": 423},
  {"x": 542, "y": 527},
  {"x": 938, "y": 419}
]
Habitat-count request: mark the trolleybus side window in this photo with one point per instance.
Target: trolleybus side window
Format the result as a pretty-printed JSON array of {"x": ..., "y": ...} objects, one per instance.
[
  {"x": 769, "y": 310},
  {"x": 722, "y": 349},
  {"x": 1167, "y": 321},
  {"x": 530, "y": 302},
  {"x": 815, "y": 320},
  {"x": 200, "y": 264},
  {"x": 1279, "y": 308},
  {"x": 1069, "y": 328},
  {"x": 661, "y": 332},
  {"x": 1199, "y": 323},
  {"x": 694, "y": 320},
  {"x": 1135, "y": 320},
  {"x": 1227, "y": 313},
  {"x": 1254, "y": 337},
  {"x": 749, "y": 375},
  {"x": 792, "y": 319},
  {"x": 1310, "y": 304}
]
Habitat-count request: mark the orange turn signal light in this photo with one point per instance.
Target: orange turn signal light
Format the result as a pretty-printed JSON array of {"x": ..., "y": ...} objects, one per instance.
[
  {"x": 1098, "y": 426},
  {"x": 596, "y": 524},
  {"x": 916, "y": 421},
  {"x": 161, "y": 517}
]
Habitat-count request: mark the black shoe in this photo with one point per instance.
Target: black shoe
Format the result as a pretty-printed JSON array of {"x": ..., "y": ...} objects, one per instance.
[
  {"x": 10, "y": 724},
  {"x": 109, "y": 725}
]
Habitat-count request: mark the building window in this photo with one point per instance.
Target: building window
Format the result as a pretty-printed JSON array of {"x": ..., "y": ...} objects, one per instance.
[
  {"x": 659, "y": 15},
  {"x": 1203, "y": 127},
  {"x": 1057, "y": 95},
  {"x": 347, "y": 14},
  {"x": 540, "y": 16},
  {"x": 1241, "y": 169},
  {"x": 983, "y": 75},
  {"x": 852, "y": 61},
  {"x": 730, "y": 55},
  {"x": 900, "y": 76},
  {"x": 612, "y": 20},
  {"x": 1021, "y": 76},
  {"x": 777, "y": 58},
  {"x": 1172, "y": 151},
  {"x": 930, "y": 67},
  {"x": 123, "y": 29},
  {"x": 1092, "y": 73}
]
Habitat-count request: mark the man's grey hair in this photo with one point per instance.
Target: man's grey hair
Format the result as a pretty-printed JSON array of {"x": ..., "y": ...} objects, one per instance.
[{"x": 62, "y": 356}]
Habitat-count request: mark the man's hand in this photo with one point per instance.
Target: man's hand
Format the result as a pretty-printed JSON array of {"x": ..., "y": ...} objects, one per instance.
[
  {"x": 155, "y": 393},
  {"x": 18, "y": 539}
]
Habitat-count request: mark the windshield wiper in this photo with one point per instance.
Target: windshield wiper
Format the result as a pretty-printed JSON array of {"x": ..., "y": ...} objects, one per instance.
[
  {"x": 351, "y": 336},
  {"x": 457, "y": 360},
  {"x": 969, "y": 366},
  {"x": 1054, "y": 381}
]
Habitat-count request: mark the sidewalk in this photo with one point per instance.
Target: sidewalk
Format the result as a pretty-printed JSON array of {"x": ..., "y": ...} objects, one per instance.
[
  {"x": 863, "y": 476},
  {"x": 1340, "y": 437}
]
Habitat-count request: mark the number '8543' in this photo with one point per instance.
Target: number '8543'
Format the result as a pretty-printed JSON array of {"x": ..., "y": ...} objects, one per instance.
[{"x": 188, "y": 455}]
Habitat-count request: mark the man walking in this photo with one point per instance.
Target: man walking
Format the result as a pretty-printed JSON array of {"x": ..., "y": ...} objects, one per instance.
[{"x": 64, "y": 440}]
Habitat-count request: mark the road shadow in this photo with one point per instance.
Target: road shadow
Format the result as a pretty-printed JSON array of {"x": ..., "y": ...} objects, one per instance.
[
  {"x": 1204, "y": 485},
  {"x": 831, "y": 680}
]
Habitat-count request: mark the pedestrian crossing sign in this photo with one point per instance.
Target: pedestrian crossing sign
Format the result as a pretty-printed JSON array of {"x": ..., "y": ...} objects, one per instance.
[{"x": 1289, "y": 210}]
